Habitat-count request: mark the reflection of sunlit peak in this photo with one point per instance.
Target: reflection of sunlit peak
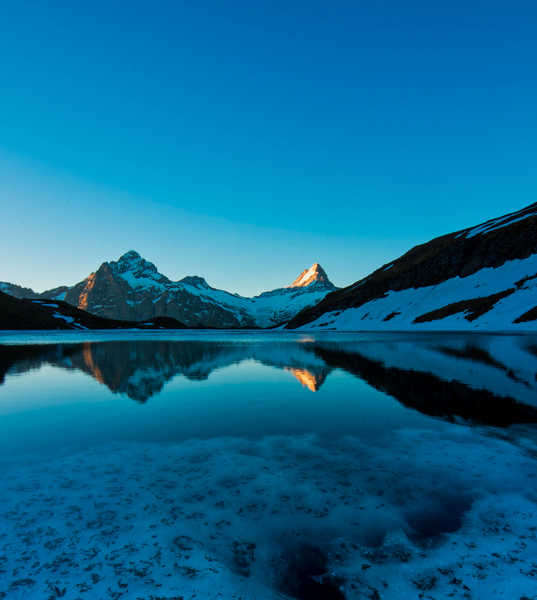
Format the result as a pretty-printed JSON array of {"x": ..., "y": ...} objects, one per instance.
[
  {"x": 306, "y": 339},
  {"x": 306, "y": 378},
  {"x": 90, "y": 363}
]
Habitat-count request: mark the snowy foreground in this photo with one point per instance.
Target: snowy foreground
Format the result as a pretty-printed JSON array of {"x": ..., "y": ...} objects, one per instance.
[{"x": 449, "y": 512}]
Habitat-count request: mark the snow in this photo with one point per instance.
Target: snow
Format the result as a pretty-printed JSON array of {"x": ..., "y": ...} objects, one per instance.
[
  {"x": 498, "y": 223},
  {"x": 307, "y": 275},
  {"x": 60, "y": 296},
  {"x": 178, "y": 519},
  {"x": 65, "y": 318},
  {"x": 143, "y": 282},
  {"x": 414, "y": 302},
  {"x": 266, "y": 310},
  {"x": 41, "y": 303},
  {"x": 68, "y": 319}
]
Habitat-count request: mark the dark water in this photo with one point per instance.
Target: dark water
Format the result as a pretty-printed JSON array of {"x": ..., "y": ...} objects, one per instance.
[{"x": 268, "y": 466}]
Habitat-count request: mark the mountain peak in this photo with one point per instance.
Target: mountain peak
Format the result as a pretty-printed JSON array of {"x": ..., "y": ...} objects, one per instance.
[
  {"x": 129, "y": 256},
  {"x": 312, "y": 275},
  {"x": 132, "y": 264}
]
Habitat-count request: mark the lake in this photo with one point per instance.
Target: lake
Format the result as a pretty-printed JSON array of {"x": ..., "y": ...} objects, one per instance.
[{"x": 261, "y": 465}]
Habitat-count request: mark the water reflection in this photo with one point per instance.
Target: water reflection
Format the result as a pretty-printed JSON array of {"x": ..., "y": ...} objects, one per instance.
[
  {"x": 488, "y": 379},
  {"x": 227, "y": 477}
]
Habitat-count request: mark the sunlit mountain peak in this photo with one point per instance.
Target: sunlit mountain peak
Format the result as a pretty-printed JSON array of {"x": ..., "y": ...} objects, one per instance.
[{"x": 312, "y": 275}]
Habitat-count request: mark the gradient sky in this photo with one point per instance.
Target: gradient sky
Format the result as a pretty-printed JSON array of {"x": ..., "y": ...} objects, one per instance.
[{"x": 242, "y": 141}]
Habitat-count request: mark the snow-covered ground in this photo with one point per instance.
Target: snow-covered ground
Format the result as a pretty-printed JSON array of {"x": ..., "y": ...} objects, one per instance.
[
  {"x": 444, "y": 513},
  {"x": 398, "y": 309}
]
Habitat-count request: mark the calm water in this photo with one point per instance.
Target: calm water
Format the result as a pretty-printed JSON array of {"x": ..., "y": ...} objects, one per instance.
[{"x": 268, "y": 465}]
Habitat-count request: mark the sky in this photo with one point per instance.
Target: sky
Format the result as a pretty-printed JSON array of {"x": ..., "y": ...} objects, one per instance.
[{"x": 242, "y": 141}]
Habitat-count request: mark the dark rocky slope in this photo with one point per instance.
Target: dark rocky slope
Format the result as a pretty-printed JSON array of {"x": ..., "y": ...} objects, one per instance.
[
  {"x": 460, "y": 254},
  {"x": 21, "y": 314}
]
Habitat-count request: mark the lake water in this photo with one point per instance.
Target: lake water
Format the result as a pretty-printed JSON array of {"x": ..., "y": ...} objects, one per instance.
[{"x": 206, "y": 465}]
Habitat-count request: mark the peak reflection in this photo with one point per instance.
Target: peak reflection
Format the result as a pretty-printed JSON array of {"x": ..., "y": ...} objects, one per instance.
[
  {"x": 312, "y": 381},
  {"x": 487, "y": 379}
]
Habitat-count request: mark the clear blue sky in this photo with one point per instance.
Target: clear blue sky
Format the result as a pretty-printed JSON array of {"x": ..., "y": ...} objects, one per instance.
[{"x": 242, "y": 141}]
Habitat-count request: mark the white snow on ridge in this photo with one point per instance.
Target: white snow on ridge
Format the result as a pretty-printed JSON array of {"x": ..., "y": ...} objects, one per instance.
[
  {"x": 60, "y": 296},
  {"x": 402, "y": 307},
  {"x": 141, "y": 281},
  {"x": 41, "y": 303},
  {"x": 267, "y": 309},
  {"x": 65, "y": 318},
  {"x": 498, "y": 223}
]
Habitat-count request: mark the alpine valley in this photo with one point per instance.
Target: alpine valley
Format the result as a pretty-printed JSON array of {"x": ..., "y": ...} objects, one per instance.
[{"x": 132, "y": 289}]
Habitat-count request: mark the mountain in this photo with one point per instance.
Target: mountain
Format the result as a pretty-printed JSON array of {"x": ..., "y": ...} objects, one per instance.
[
  {"x": 17, "y": 291},
  {"x": 314, "y": 275},
  {"x": 132, "y": 288},
  {"x": 483, "y": 277},
  {"x": 21, "y": 313}
]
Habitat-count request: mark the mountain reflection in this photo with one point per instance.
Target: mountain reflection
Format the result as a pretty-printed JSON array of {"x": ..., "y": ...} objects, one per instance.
[
  {"x": 486, "y": 379},
  {"x": 308, "y": 379}
]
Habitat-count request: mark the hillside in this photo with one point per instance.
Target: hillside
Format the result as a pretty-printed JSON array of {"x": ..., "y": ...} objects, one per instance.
[
  {"x": 482, "y": 277},
  {"x": 21, "y": 314}
]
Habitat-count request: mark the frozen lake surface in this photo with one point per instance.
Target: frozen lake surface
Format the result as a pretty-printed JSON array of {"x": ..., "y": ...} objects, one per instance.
[{"x": 149, "y": 465}]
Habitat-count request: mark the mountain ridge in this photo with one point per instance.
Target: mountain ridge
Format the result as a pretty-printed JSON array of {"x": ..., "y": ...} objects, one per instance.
[{"x": 131, "y": 288}]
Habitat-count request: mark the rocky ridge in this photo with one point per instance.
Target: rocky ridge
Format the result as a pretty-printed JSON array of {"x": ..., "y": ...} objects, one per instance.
[{"x": 133, "y": 289}]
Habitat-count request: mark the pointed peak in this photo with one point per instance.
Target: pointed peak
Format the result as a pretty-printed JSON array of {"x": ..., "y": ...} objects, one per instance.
[
  {"x": 312, "y": 275},
  {"x": 132, "y": 262},
  {"x": 129, "y": 256}
]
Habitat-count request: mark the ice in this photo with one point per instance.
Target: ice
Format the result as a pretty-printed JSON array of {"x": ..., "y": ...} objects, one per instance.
[{"x": 442, "y": 513}]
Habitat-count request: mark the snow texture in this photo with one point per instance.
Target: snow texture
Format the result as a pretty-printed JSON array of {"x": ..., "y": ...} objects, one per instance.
[
  {"x": 446, "y": 514},
  {"x": 398, "y": 309}
]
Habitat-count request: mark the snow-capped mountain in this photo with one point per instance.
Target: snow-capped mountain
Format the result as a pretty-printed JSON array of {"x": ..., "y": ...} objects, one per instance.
[
  {"x": 132, "y": 288},
  {"x": 314, "y": 275},
  {"x": 483, "y": 277}
]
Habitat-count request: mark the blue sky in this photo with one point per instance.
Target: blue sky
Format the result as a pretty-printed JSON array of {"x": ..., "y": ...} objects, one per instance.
[{"x": 242, "y": 141}]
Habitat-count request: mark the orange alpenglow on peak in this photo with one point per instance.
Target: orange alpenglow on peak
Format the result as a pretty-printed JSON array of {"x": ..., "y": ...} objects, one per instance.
[{"x": 311, "y": 275}]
